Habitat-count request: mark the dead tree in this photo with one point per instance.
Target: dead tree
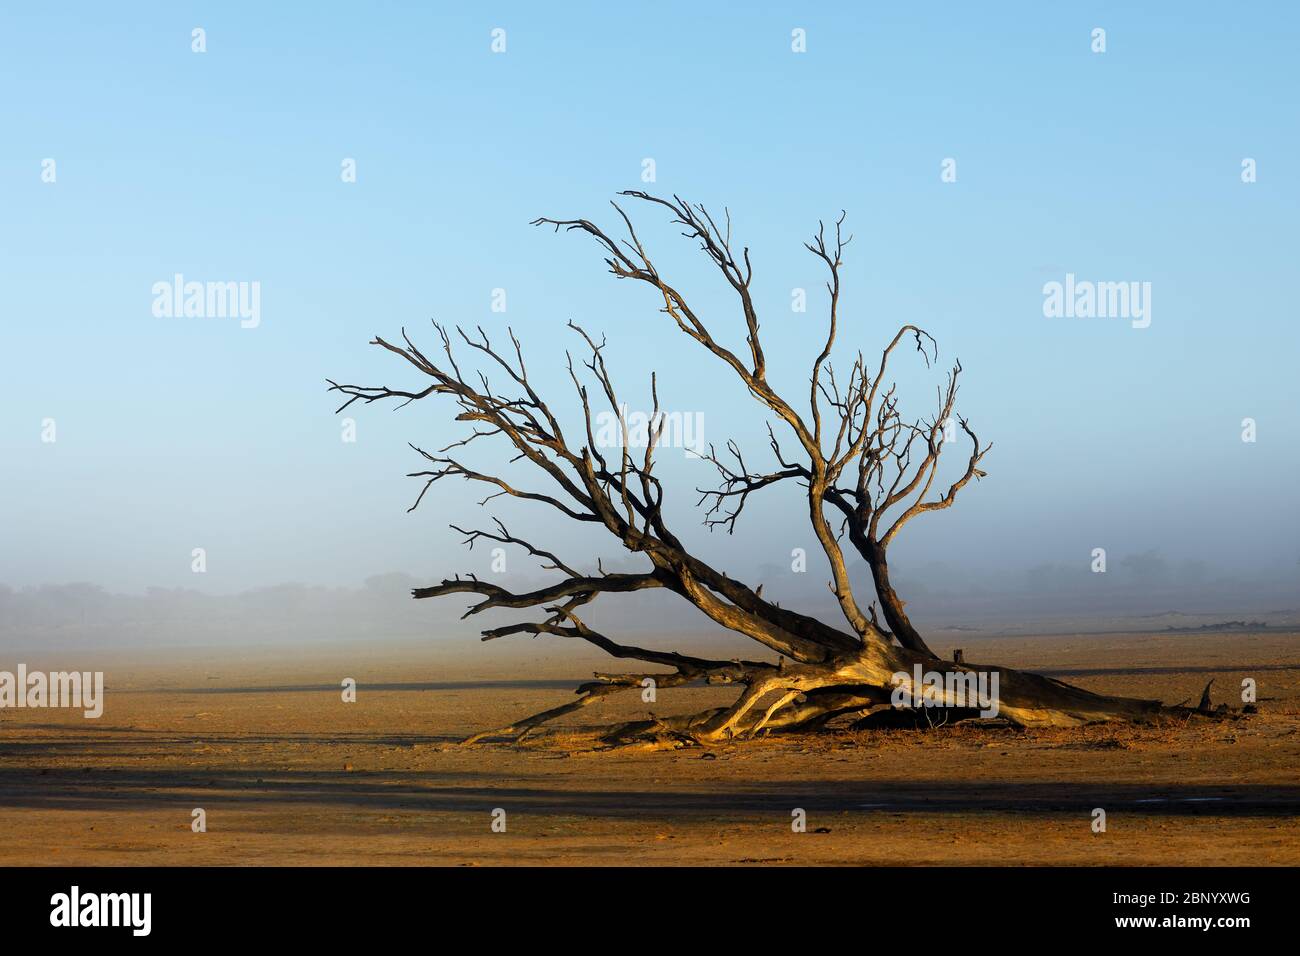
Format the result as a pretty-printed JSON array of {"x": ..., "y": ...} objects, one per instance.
[{"x": 864, "y": 469}]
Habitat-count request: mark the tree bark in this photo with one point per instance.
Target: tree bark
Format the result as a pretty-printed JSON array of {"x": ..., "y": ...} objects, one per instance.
[{"x": 891, "y": 605}]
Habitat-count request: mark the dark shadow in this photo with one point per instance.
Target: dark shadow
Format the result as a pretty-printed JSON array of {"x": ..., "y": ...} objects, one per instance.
[{"x": 452, "y": 792}]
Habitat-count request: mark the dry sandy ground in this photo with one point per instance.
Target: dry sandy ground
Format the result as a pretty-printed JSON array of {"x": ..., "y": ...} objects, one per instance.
[{"x": 290, "y": 774}]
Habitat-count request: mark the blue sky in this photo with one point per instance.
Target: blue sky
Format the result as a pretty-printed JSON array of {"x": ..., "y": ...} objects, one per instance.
[{"x": 225, "y": 166}]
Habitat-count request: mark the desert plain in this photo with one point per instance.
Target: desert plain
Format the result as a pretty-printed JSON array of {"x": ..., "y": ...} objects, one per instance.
[{"x": 287, "y": 772}]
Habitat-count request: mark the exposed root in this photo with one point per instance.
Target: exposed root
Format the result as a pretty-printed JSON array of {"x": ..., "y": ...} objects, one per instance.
[
  {"x": 1205, "y": 706},
  {"x": 790, "y": 698}
]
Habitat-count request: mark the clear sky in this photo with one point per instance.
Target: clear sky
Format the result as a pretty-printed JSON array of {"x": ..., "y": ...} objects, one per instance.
[{"x": 177, "y": 433}]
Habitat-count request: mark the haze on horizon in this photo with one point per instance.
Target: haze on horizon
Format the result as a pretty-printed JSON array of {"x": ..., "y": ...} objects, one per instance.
[{"x": 175, "y": 434}]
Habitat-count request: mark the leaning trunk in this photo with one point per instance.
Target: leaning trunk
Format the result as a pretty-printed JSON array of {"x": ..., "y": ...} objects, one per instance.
[{"x": 891, "y": 605}]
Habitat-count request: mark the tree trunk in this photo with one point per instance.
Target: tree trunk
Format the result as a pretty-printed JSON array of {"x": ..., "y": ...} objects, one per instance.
[{"x": 891, "y": 605}]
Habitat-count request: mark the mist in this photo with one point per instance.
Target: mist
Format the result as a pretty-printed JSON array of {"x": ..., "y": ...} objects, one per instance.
[{"x": 1146, "y": 591}]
